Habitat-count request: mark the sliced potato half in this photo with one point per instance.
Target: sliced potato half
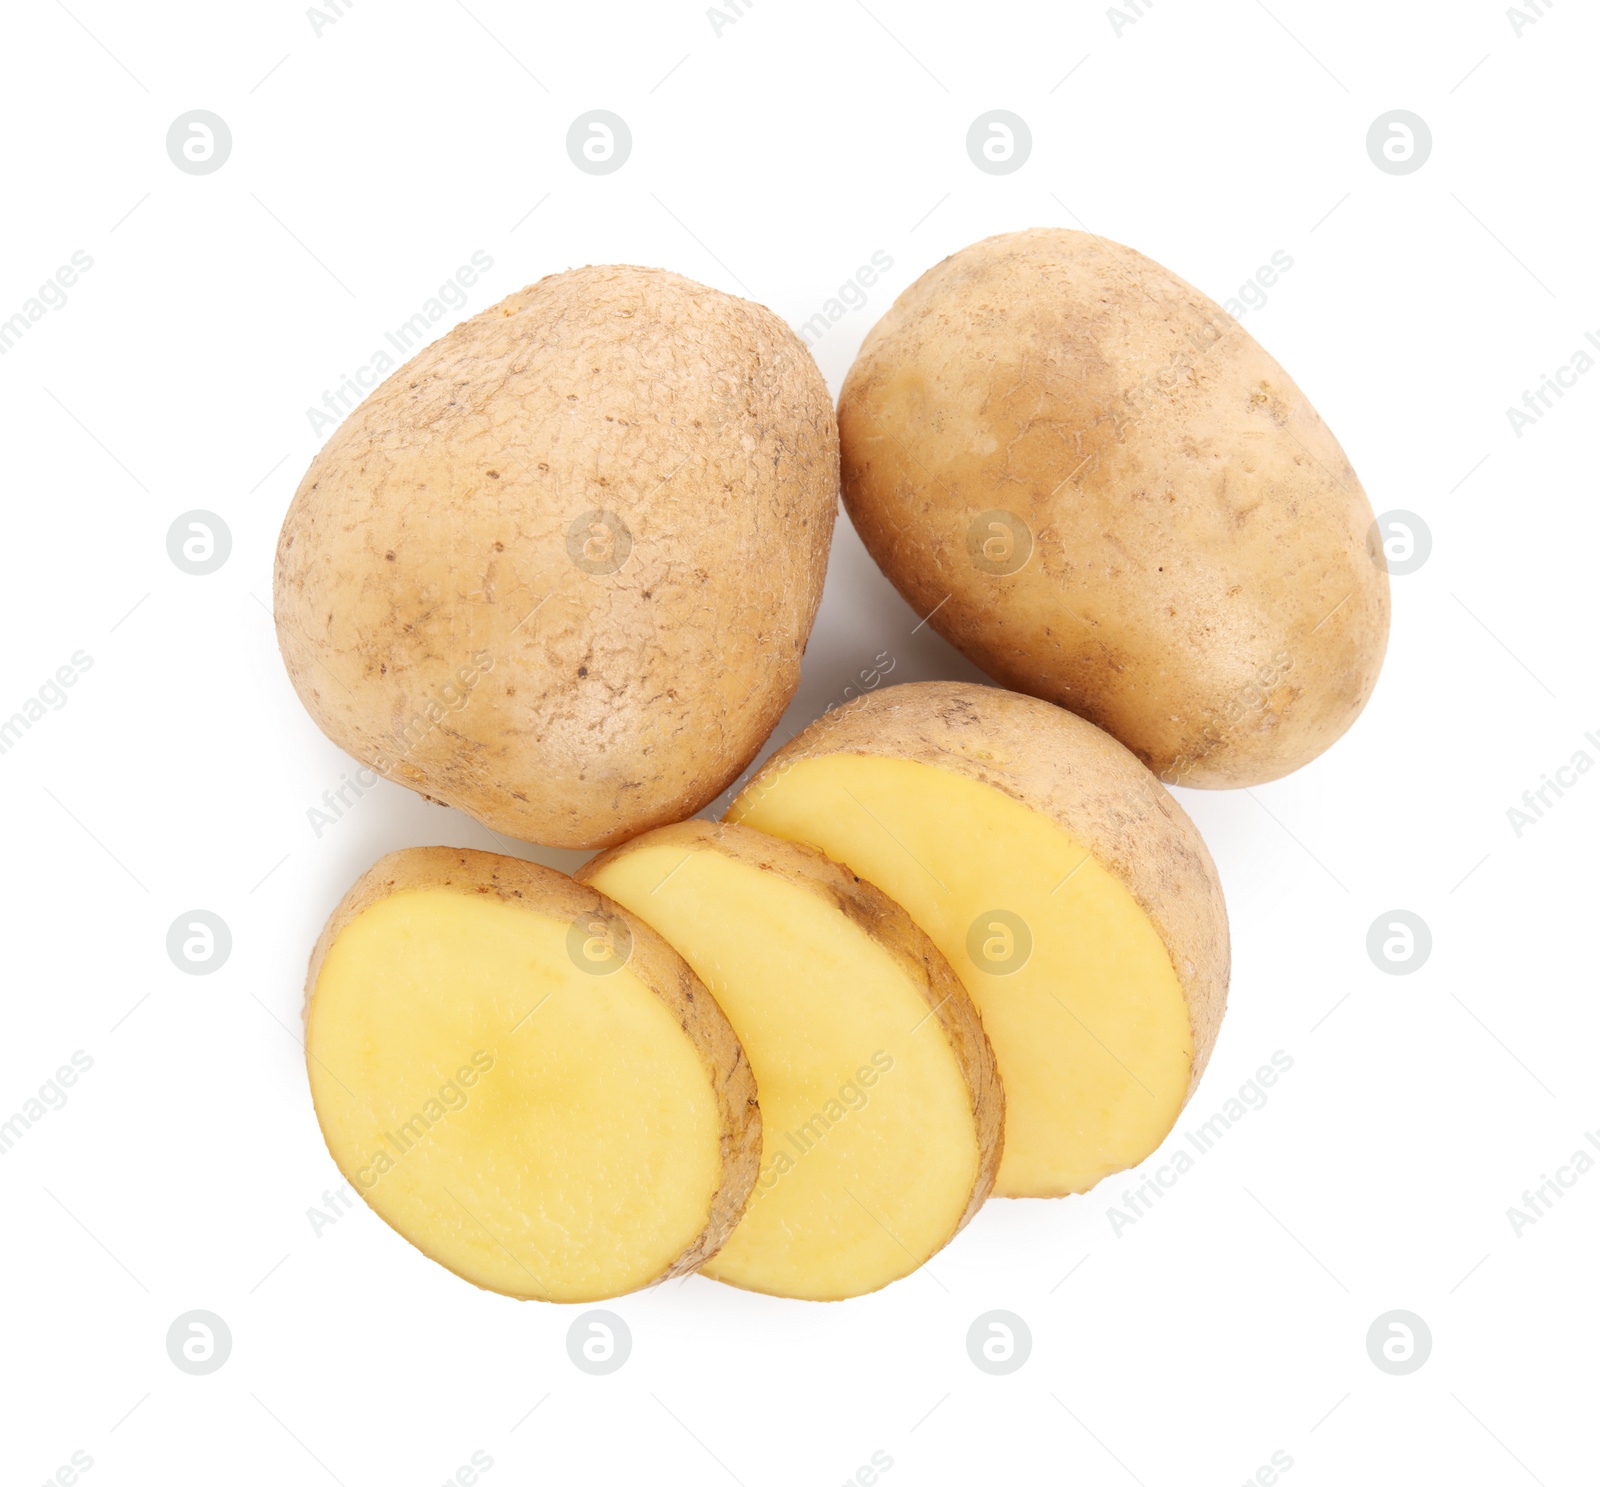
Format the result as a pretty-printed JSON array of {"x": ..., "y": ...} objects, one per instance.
[
  {"x": 880, "y": 1103},
  {"x": 524, "y": 1080},
  {"x": 1066, "y": 887}
]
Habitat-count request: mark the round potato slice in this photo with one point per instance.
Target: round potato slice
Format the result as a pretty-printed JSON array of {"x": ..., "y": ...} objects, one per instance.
[
  {"x": 880, "y": 1103},
  {"x": 1069, "y": 891},
  {"x": 524, "y": 1080}
]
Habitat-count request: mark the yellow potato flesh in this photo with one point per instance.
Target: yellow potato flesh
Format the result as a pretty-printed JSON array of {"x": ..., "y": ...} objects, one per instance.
[
  {"x": 580, "y": 1161},
  {"x": 869, "y": 1149},
  {"x": 1090, "y": 1030}
]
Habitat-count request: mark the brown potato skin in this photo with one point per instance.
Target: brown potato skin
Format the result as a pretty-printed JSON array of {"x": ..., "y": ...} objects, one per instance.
[
  {"x": 895, "y": 931},
  {"x": 1204, "y": 581},
  {"x": 437, "y": 624},
  {"x": 543, "y": 890},
  {"x": 1069, "y": 771}
]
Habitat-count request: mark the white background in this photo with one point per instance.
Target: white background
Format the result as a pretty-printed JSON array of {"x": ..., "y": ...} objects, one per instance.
[{"x": 773, "y": 160}]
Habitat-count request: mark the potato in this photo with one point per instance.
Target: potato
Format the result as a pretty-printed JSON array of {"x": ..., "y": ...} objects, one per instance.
[
  {"x": 1106, "y": 494},
  {"x": 879, "y": 1099},
  {"x": 524, "y": 1080},
  {"x": 1069, "y": 891},
  {"x": 559, "y": 569}
]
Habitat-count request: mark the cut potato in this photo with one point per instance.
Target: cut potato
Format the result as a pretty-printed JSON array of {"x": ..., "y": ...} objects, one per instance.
[
  {"x": 1068, "y": 890},
  {"x": 524, "y": 1080},
  {"x": 879, "y": 1098}
]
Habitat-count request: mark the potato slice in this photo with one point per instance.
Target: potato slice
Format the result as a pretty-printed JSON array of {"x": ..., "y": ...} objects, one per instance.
[
  {"x": 524, "y": 1080},
  {"x": 880, "y": 1102},
  {"x": 1068, "y": 890}
]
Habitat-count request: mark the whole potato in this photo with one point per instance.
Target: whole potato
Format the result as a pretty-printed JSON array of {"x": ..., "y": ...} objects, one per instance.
[
  {"x": 1106, "y": 494},
  {"x": 559, "y": 569}
]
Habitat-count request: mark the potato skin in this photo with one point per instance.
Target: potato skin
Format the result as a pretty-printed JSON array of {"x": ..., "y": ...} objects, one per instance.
[
  {"x": 1203, "y": 582},
  {"x": 454, "y": 612},
  {"x": 545, "y": 891},
  {"x": 1069, "y": 771}
]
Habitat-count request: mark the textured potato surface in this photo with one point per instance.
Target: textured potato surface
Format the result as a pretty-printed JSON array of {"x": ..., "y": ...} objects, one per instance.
[
  {"x": 1108, "y": 495},
  {"x": 536, "y": 1120},
  {"x": 1070, "y": 894},
  {"x": 559, "y": 569},
  {"x": 879, "y": 1103}
]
